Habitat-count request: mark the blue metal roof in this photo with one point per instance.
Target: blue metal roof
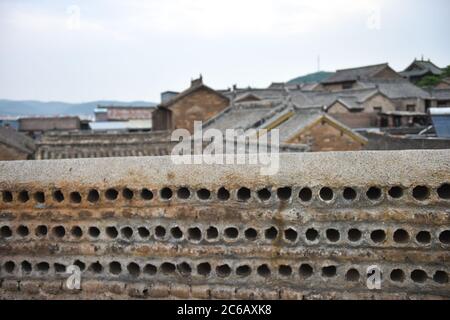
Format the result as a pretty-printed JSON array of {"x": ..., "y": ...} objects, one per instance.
[{"x": 441, "y": 121}]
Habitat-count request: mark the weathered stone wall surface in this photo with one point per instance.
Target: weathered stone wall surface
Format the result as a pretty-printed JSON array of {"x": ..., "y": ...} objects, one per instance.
[{"x": 147, "y": 228}]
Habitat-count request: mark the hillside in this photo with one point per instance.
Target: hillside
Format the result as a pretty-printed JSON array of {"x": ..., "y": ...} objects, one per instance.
[{"x": 311, "y": 78}]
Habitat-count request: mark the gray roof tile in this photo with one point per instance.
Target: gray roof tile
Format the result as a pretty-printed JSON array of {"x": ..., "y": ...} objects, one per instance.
[{"x": 355, "y": 74}]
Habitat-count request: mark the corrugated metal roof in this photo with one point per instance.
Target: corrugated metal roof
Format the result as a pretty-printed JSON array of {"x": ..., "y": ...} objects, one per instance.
[
  {"x": 121, "y": 125},
  {"x": 439, "y": 111},
  {"x": 441, "y": 121}
]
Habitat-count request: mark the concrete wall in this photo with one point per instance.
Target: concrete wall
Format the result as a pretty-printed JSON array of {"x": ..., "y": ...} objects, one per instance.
[{"x": 148, "y": 228}]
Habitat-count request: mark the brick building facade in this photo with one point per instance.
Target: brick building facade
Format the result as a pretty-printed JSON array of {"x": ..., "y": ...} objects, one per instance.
[{"x": 198, "y": 103}]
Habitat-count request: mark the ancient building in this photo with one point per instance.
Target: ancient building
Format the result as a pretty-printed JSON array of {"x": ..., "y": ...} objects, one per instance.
[
  {"x": 372, "y": 102},
  {"x": 386, "y": 141},
  {"x": 440, "y": 98},
  {"x": 71, "y": 145},
  {"x": 356, "y": 108},
  {"x": 441, "y": 122},
  {"x": 443, "y": 84},
  {"x": 15, "y": 145},
  {"x": 146, "y": 228},
  {"x": 404, "y": 95},
  {"x": 419, "y": 69},
  {"x": 67, "y": 145},
  {"x": 197, "y": 103},
  {"x": 349, "y": 78},
  {"x": 35, "y": 126},
  {"x": 9, "y": 121},
  {"x": 123, "y": 113},
  {"x": 313, "y": 127},
  {"x": 246, "y": 115}
]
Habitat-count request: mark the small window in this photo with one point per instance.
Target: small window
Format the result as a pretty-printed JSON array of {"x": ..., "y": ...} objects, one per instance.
[
  {"x": 411, "y": 108},
  {"x": 377, "y": 109},
  {"x": 346, "y": 86}
]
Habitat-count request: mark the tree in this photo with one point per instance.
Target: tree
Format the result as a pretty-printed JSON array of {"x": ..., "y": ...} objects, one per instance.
[
  {"x": 432, "y": 80},
  {"x": 446, "y": 73},
  {"x": 429, "y": 81}
]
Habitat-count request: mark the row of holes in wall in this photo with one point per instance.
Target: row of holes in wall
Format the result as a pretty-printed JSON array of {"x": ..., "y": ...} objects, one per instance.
[
  {"x": 326, "y": 194},
  {"x": 205, "y": 269},
  {"x": 196, "y": 234}
]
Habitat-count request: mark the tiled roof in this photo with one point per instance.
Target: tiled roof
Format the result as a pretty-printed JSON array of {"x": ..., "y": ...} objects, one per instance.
[
  {"x": 263, "y": 94},
  {"x": 17, "y": 140},
  {"x": 440, "y": 94},
  {"x": 420, "y": 68},
  {"x": 196, "y": 85},
  {"x": 101, "y": 145},
  {"x": 300, "y": 119},
  {"x": 396, "y": 89},
  {"x": 355, "y": 74},
  {"x": 245, "y": 115},
  {"x": 352, "y": 98}
]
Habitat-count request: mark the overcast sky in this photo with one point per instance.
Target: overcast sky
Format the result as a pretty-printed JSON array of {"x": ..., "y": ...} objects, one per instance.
[{"x": 83, "y": 50}]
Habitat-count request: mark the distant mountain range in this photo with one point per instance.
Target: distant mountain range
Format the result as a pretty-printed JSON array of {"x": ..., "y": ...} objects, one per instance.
[
  {"x": 311, "y": 78},
  {"x": 31, "y": 107},
  {"x": 39, "y": 108}
]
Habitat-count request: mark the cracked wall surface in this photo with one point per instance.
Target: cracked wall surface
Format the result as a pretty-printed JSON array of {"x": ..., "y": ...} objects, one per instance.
[{"x": 147, "y": 228}]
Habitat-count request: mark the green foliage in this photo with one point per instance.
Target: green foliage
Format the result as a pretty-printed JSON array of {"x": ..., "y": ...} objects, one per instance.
[
  {"x": 446, "y": 73},
  {"x": 310, "y": 78},
  {"x": 431, "y": 81}
]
